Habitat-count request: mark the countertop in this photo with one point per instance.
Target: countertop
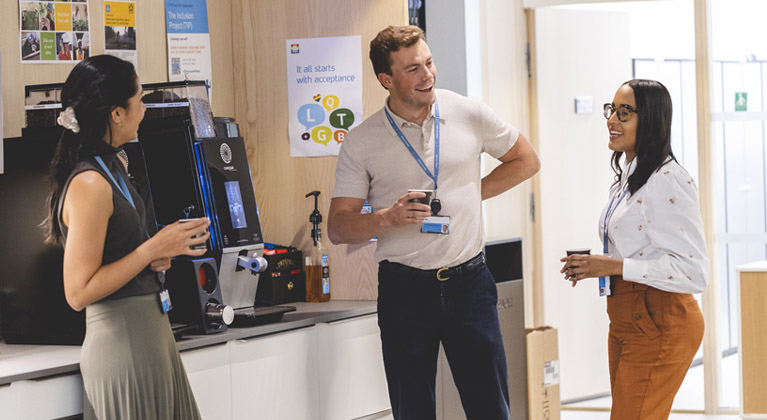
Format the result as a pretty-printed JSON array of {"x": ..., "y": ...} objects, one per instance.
[
  {"x": 24, "y": 362},
  {"x": 753, "y": 267}
]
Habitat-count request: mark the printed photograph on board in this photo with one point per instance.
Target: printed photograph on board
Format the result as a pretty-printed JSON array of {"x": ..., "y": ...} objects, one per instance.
[
  {"x": 47, "y": 16},
  {"x": 80, "y": 17},
  {"x": 82, "y": 46},
  {"x": 64, "y": 46},
  {"x": 120, "y": 38},
  {"x": 30, "y": 46},
  {"x": 30, "y": 16}
]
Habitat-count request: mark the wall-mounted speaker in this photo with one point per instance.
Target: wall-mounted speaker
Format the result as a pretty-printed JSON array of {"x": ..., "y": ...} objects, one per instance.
[{"x": 195, "y": 295}]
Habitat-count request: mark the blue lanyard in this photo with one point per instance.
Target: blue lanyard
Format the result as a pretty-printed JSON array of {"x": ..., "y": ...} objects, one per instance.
[
  {"x": 608, "y": 215},
  {"x": 414, "y": 153},
  {"x": 122, "y": 186}
]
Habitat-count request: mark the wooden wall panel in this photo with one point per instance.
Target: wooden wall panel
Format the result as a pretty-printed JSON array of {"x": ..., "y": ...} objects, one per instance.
[
  {"x": 259, "y": 30},
  {"x": 152, "y": 67}
]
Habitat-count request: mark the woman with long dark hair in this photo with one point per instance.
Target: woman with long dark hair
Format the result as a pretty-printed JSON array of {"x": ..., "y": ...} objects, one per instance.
[
  {"x": 130, "y": 366},
  {"x": 654, "y": 258}
]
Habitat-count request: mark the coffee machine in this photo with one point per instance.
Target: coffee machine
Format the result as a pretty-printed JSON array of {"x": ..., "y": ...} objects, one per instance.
[{"x": 197, "y": 166}]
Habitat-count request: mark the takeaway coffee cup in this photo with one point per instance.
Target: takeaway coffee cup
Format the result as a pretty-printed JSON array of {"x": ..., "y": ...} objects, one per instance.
[
  {"x": 425, "y": 200},
  {"x": 198, "y": 246},
  {"x": 586, "y": 251}
]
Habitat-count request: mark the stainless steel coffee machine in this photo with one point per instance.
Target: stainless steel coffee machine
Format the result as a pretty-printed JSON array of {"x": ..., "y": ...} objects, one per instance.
[{"x": 197, "y": 166}]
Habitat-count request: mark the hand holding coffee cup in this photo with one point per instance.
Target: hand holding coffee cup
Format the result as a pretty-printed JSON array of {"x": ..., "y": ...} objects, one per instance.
[
  {"x": 568, "y": 268},
  {"x": 199, "y": 244},
  {"x": 416, "y": 213},
  {"x": 426, "y": 199}
]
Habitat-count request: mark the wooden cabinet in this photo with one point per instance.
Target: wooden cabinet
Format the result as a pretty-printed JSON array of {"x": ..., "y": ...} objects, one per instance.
[{"x": 753, "y": 341}]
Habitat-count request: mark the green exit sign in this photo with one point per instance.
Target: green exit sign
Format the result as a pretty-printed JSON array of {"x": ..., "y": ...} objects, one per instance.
[{"x": 741, "y": 101}]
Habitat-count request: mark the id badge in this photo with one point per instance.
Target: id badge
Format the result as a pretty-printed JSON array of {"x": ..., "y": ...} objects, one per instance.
[
  {"x": 605, "y": 288},
  {"x": 165, "y": 301},
  {"x": 436, "y": 224}
]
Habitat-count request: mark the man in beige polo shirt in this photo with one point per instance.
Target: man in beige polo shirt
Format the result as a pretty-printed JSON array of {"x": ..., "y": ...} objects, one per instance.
[{"x": 433, "y": 285}]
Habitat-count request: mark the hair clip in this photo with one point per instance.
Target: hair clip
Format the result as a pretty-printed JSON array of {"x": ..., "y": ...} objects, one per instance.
[{"x": 68, "y": 120}]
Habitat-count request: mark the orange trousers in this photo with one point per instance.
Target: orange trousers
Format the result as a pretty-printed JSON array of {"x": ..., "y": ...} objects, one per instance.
[{"x": 653, "y": 338}]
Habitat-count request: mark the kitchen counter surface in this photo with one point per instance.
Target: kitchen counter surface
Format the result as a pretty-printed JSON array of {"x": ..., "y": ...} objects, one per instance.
[{"x": 26, "y": 362}]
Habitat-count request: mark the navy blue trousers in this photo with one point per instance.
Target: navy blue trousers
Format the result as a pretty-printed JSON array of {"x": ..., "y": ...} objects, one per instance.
[{"x": 416, "y": 312}]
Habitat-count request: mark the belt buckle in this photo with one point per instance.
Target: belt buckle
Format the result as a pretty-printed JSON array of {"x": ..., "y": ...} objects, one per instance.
[{"x": 439, "y": 274}]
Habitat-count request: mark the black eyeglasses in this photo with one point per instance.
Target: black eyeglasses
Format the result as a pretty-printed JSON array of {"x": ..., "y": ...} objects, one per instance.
[{"x": 624, "y": 111}]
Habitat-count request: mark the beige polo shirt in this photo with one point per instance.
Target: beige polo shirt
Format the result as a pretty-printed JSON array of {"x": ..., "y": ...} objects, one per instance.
[{"x": 375, "y": 165}]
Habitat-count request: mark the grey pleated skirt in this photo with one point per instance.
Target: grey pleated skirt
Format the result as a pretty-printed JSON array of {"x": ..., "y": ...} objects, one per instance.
[{"x": 130, "y": 365}]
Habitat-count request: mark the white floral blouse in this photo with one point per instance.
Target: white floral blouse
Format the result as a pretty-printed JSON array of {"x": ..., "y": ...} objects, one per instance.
[{"x": 658, "y": 231}]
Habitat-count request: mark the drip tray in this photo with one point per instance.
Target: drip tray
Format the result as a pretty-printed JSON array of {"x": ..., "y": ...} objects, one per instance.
[
  {"x": 180, "y": 330},
  {"x": 249, "y": 317}
]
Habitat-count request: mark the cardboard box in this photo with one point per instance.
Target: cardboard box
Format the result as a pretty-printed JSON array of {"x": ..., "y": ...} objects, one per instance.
[{"x": 543, "y": 374}]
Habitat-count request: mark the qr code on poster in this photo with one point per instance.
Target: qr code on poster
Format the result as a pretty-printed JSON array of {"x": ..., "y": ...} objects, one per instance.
[{"x": 175, "y": 66}]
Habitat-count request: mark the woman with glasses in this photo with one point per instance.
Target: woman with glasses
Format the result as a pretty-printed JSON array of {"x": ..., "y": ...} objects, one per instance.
[{"x": 655, "y": 256}]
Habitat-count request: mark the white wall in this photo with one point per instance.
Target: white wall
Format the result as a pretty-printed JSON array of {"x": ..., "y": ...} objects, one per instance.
[
  {"x": 479, "y": 48},
  {"x": 576, "y": 58},
  {"x": 446, "y": 32},
  {"x": 657, "y": 29},
  {"x": 505, "y": 90}
]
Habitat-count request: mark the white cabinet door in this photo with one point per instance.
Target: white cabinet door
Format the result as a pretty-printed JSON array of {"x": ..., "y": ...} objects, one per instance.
[
  {"x": 210, "y": 376},
  {"x": 275, "y": 377},
  {"x": 47, "y": 398},
  {"x": 7, "y": 403},
  {"x": 352, "y": 378}
]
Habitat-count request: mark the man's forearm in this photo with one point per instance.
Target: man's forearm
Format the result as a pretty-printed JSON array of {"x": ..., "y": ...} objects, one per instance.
[{"x": 347, "y": 227}]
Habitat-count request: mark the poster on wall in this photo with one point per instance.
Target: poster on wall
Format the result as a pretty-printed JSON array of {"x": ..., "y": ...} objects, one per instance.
[
  {"x": 324, "y": 93},
  {"x": 120, "y": 30},
  {"x": 188, "y": 41},
  {"x": 54, "y": 31}
]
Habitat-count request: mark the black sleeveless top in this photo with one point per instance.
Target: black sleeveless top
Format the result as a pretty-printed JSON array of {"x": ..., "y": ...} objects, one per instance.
[{"x": 126, "y": 229}]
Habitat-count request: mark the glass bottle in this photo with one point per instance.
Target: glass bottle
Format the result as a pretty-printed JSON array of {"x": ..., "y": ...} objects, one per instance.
[
  {"x": 317, "y": 274},
  {"x": 317, "y": 262}
]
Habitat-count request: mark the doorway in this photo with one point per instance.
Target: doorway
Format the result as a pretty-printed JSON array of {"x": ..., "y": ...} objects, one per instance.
[{"x": 583, "y": 53}]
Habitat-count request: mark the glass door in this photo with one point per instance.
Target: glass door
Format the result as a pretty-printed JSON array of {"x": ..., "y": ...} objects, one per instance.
[
  {"x": 738, "y": 114},
  {"x": 583, "y": 53}
]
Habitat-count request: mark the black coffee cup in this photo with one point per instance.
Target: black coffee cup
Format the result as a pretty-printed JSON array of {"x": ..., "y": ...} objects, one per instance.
[
  {"x": 425, "y": 200},
  {"x": 573, "y": 251}
]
